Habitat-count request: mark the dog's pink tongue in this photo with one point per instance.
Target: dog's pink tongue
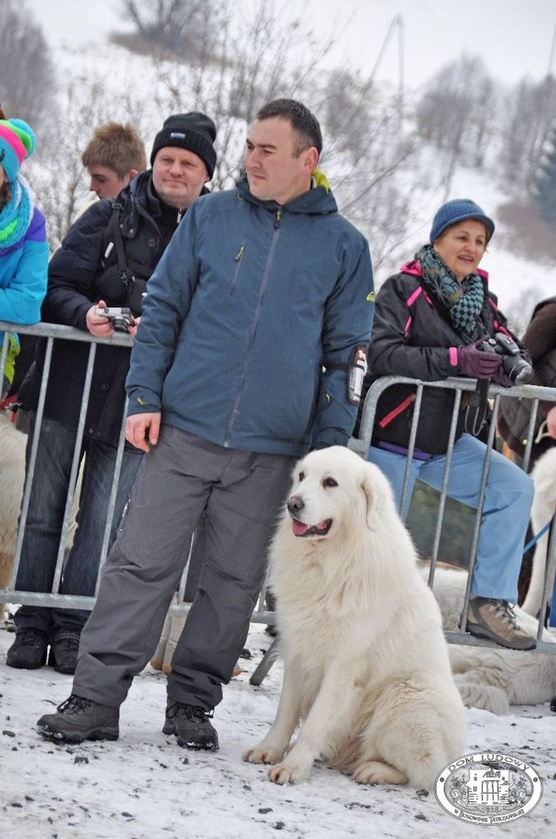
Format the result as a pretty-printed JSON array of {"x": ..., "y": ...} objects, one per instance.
[{"x": 298, "y": 528}]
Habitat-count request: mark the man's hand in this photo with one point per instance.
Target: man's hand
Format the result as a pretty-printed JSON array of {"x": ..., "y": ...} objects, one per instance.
[
  {"x": 98, "y": 325},
  {"x": 142, "y": 430}
]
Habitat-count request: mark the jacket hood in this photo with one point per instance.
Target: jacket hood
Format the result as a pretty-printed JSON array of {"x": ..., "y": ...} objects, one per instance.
[{"x": 317, "y": 200}]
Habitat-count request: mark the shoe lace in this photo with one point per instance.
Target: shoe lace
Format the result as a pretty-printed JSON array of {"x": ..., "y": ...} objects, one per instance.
[
  {"x": 74, "y": 704},
  {"x": 505, "y": 611},
  {"x": 190, "y": 712}
]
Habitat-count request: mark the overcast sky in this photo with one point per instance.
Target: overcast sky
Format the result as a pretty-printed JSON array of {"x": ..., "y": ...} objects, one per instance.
[{"x": 514, "y": 37}]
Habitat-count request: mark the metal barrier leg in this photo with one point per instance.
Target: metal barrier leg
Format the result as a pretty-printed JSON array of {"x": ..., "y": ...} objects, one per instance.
[{"x": 265, "y": 664}]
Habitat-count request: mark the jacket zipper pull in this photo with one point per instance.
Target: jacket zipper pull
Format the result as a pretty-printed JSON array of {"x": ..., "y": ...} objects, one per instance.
[
  {"x": 239, "y": 254},
  {"x": 278, "y": 218}
]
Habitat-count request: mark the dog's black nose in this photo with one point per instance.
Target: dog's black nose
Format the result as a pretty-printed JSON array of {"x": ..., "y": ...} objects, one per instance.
[{"x": 295, "y": 504}]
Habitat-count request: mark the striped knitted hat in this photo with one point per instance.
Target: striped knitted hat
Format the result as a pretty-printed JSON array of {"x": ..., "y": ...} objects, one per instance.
[{"x": 17, "y": 142}]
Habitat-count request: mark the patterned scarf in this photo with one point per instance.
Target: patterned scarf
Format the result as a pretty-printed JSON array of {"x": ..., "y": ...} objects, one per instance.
[
  {"x": 464, "y": 301},
  {"x": 15, "y": 216}
]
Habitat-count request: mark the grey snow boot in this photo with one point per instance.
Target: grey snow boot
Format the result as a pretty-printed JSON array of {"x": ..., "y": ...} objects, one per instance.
[
  {"x": 79, "y": 719},
  {"x": 192, "y": 726}
]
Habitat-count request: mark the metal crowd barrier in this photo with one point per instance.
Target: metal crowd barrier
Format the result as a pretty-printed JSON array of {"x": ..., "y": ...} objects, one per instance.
[
  {"x": 360, "y": 444},
  {"x": 53, "y": 598}
]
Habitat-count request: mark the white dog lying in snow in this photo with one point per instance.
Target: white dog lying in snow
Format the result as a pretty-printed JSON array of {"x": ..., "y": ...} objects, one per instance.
[{"x": 493, "y": 678}]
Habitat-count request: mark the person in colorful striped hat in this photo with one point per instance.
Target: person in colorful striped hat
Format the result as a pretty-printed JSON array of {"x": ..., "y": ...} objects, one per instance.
[{"x": 23, "y": 246}]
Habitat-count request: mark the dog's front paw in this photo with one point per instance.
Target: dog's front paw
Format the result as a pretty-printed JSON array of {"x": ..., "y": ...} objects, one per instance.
[
  {"x": 261, "y": 755},
  {"x": 376, "y": 772},
  {"x": 286, "y": 773}
]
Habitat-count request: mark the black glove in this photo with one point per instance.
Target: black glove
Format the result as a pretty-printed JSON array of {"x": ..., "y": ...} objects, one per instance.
[{"x": 476, "y": 363}]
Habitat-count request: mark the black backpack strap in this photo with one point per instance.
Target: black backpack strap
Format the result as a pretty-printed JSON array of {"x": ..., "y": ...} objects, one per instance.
[
  {"x": 115, "y": 235},
  {"x": 133, "y": 275}
]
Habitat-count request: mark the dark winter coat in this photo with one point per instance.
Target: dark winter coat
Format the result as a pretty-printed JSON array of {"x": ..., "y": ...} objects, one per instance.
[
  {"x": 412, "y": 334},
  {"x": 251, "y": 320},
  {"x": 80, "y": 275},
  {"x": 540, "y": 340}
]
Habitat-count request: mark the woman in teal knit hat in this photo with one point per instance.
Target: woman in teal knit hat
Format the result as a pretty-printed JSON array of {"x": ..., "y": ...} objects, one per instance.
[{"x": 23, "y": 246}]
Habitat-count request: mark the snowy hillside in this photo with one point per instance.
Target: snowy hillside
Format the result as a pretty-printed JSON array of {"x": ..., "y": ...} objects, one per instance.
[{"x": 135, "y": 91}]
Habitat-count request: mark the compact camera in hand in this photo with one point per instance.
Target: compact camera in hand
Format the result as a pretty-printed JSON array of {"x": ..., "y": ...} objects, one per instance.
[
  {"x": 122, "y": 317},
  {"x": 515, "y": 367}
]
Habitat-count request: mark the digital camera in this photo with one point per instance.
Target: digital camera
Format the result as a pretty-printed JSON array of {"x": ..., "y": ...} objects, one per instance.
[
  {"x": 515, "y": 367},
  {"x": 122, "y": 317}
]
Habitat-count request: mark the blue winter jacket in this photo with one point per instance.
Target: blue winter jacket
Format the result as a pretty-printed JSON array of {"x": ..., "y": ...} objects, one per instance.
[
  {"x": 250, "y": 322},
  {"x": 23, "y": 274}
]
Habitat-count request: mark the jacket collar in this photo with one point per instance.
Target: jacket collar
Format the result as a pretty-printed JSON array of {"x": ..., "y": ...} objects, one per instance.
[{"x": 317, "y": 200}]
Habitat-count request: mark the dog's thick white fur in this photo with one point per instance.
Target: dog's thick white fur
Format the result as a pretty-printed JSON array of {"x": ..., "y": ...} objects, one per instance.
[
  {"x": 12, "y": 479},
  {"x": 542, "y": 511},
  {"x": 366, "y": 667},
  {"x": 493, "y": 678},
  {"x": 12, "y": 476}
]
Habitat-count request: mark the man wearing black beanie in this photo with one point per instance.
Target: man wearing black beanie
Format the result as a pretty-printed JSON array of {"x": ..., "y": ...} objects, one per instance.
[
  {"x": 106, "y": 259},
  {"x": 194, "y": 131}
]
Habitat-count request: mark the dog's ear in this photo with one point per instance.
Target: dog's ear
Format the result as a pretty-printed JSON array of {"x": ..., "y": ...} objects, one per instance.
[{"x": 377, "y": 493}]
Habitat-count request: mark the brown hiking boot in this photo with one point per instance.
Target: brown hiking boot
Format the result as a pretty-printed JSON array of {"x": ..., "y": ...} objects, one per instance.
[{"x": 495, "y": 619}]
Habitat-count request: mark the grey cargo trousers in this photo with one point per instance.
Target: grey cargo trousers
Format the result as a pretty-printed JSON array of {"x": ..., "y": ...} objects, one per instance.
[{"x": 241, "y": 494}]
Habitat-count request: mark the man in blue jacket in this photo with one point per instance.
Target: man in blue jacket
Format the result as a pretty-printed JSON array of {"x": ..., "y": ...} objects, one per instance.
[{"x": 254, "y": 316}]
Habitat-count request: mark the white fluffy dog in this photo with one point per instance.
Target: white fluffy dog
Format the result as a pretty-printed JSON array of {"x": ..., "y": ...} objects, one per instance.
[
  {"x": 542, "y": 510},
  {"x": 366, "y": 668},
  {"x": 493, "y": 678}
]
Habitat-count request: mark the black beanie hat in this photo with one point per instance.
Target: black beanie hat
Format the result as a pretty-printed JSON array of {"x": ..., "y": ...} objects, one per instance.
[{"x": 195, "y": 132}]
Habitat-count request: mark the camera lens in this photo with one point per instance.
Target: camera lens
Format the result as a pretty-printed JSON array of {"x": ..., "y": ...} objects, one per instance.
[{"x": 518, "y": 370}]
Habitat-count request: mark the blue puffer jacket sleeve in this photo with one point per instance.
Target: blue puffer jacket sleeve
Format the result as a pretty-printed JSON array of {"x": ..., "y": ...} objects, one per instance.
[
  {"x": 347, "y": 324},
  {"x": 23, "y": 275}
]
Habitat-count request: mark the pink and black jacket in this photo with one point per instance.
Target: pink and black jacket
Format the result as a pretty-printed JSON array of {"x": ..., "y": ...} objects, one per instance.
[{"x": 413, "y": 336}]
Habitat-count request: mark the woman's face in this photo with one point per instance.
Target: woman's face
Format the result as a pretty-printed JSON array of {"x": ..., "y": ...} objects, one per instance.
[
  {"x": 462, "y": 246},
  {"x": 3, "y": 178}
]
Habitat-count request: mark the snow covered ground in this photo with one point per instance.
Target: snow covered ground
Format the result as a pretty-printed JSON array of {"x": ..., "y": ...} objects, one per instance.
[{"x": 145, "y": 787}]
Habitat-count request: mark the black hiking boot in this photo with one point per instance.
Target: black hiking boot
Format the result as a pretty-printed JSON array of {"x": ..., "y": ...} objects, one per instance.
[
  {"x": 28, "y": 651},
  {"x": 191, "y": 725},
  {"x": 63, "y": 652},
  {"x": 79, "y": 719}
]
